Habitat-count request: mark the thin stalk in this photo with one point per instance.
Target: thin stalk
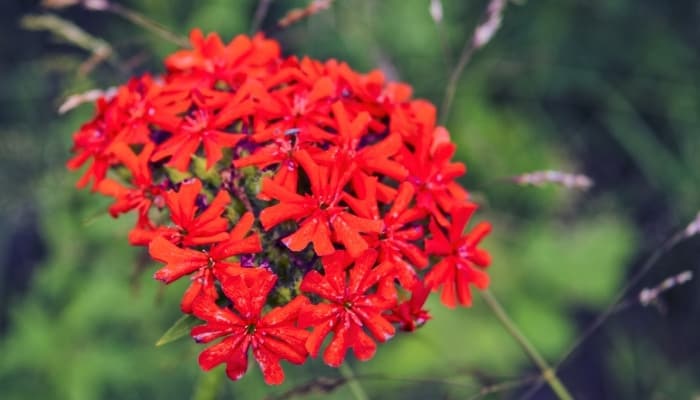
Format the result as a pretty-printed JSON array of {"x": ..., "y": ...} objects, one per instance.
[
  {"x": 691, "y": 230},
  {"x": 357, "y": 391},
  {"x": 260, "y": 13},
  {"x": 140, "y": 20},
  {"x": 650, "y": 262},
  {"x": 208, "y": 385},
  {"x": 483, "y": 33},
  {"x": 548, "y": 374}
]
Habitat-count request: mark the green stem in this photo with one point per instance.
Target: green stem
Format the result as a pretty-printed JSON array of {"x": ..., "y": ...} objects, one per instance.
[
  {"x": 548, "y": 373},
  {"x": 208, "y": 385},
  {"x": 355, "y": 387},
  {"x": 140, "y": 20}
]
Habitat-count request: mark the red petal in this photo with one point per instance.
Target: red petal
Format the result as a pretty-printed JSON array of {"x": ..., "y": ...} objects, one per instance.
[
  {"x": 191, "y": 293},
  {"x": 414, "y": 255},
  {"x": 448, "y": 296},
  {"x": 322, "y": 240},
  {"x": 248, "y": 291},
  {"x": 381, "y": 329},
  {"x": 298, "y": 240},
  {"x": 480, "y": 258},
  {"x": 311, "y": 168},
  {"x": 182, "y": 203},
  {"x": 228, "y": 248},
  {"x": 478, "y": 233},
  {"x": 464, "y": 295},
  {"x": 212, "y": 215},
  {"x": 353, "y": 242},
  {"x": 269, "y": 365},
  {"x": 360, "y": 279},
  {"x": 272, "y": 189},
  {"x": 274, "y": 215},
  {"x": 205, "y": 238},
  {"x": 212, "y": 151},
  {"x": 237, "y": 361},
  {"x": 182, "y": 154},
  {"x": 317, "y": 336},
  {"x": 403, "y": 199},
  {"x": 206, "y": 309},
  {"x": 287, "y": 313},
  {"x": 314, "y": 314},
  {"x": 438, "y": 244},
  {"x": 262, "y": 157},
  {"x": 438, "y": 274},
  {"x": 460, "y": 217},
  {"x": 316, "y": 283},
  {"x": 362, "y": 224},
  {"x": 322, "y": 88},
  {"x": 363, "y": 346},
  {"x": 243, "y": 226},
  {"x": 228, "y": 349},
  {"x": 479, "y": 278},
  {"x": 286, "y": 351},
  {"x": 179, "y": 262},
  {"x": 112, "y": 188},
  {"x": 338, "y": 347}
]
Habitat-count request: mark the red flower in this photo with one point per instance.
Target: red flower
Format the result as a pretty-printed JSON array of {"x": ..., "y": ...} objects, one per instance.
[
  {"x": 428, "y": 158},
  {"x": 206, "y": 265},
  {"x": 349, "y": 308},
  {"x": 207, "y": 227},
  {"x": 371, "y": 159},
  {"x": 145, "y": 231},
  {"x": 368, "y": 92},
  {"x": 296, "y": 123},
  {"x": 433, "y": 176},
  {"x": 457, "y": 268},
  {"x": 397, "y": 241},
  {"x": 221, "y": 61},
  {"x": 273, "y": 337},
  {"x": 201, "y": 126},
  {"x": 136, "y": 107},
  {"x": 140, "y": 197},
  {"x": 92, "y": 142},
  {"x": 319, "y": 213},
  {"x": 301, "y": 109},
  {"x": 410, "y": 314},
  {"x": 278, "y": 151}
]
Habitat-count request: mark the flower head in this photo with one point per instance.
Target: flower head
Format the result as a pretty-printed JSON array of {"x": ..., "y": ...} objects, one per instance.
[{"x": 304, "y": 201}]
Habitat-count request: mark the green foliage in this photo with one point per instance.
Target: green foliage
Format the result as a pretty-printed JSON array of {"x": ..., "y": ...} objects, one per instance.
[
  {"x": 577, "y": 264},
  {"x": 83, "y": 330},
  {"x": 562, "y": 86},
  {"x": 179, "y": 329}
]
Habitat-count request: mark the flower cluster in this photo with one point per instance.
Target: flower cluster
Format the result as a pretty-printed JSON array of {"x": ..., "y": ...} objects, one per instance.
[{"x": 301, "y": 199}]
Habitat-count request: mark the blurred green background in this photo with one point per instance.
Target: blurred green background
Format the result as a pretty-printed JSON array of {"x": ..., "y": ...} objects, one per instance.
[{"x": 609, "y": 88}]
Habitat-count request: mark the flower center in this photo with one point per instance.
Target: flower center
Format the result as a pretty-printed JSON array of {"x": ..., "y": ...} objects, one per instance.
[
  {"x": 250, "y": 329},
  {"x": 197, "y": 122},
  {"x": 463, "y": 252}
]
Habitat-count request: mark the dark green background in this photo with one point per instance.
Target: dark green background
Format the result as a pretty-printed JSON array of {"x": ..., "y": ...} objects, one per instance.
[{"x": 610, "y": 88}]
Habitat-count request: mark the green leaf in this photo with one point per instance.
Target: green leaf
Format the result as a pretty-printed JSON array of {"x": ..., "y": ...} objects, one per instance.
[
  {"x": 175, "y": 175},
  {"x": 199, "y": 167},
  {"x": 180, "y": 328}
]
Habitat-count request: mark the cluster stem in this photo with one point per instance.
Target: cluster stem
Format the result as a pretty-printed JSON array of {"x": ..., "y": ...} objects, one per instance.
[{"x": 548, "y": 373}]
